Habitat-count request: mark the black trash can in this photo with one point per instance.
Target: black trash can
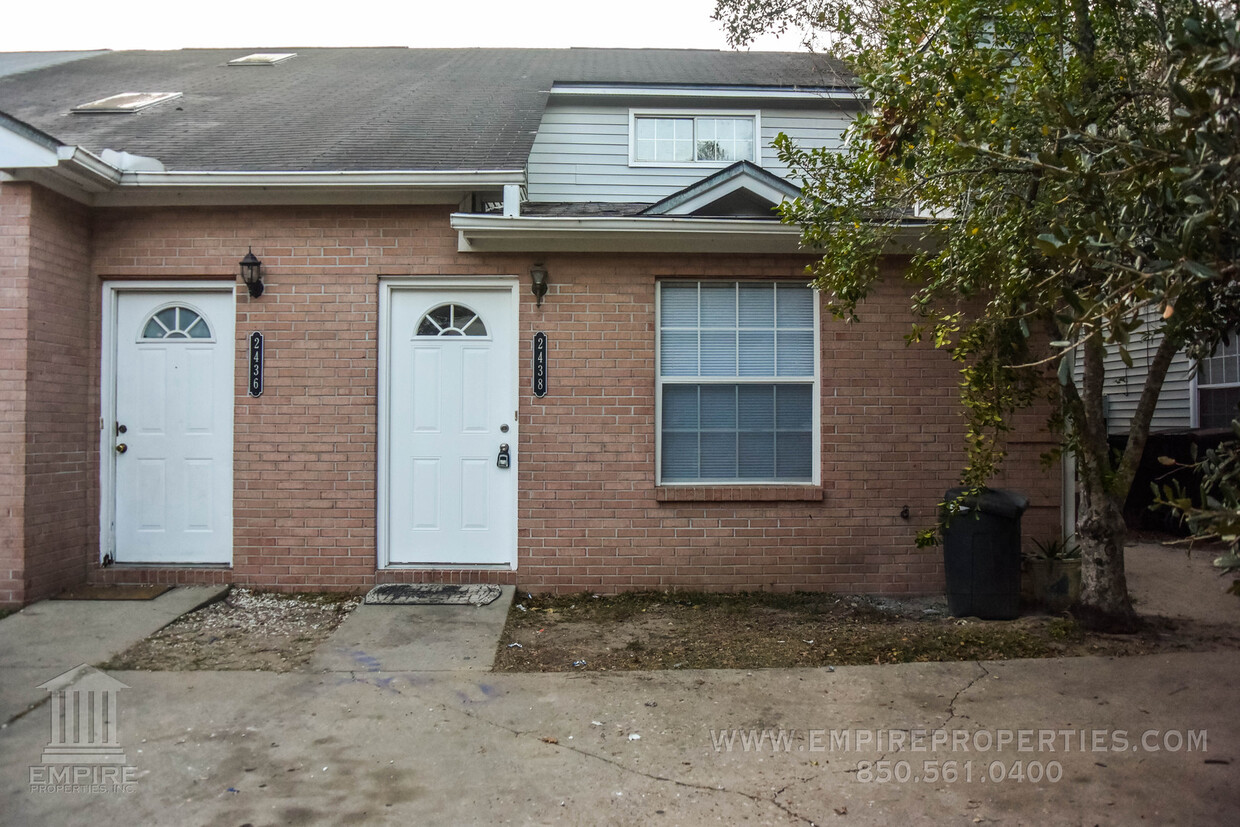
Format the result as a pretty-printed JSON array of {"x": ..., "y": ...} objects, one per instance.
[{"x": 981, "y": 554}]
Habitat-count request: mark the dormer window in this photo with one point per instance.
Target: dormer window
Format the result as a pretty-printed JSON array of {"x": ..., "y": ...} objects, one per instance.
[{"x": 692, "y": 138}]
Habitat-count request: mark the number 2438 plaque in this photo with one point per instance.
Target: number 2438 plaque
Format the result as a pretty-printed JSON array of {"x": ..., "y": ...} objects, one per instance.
[{"x": 540, "y": 364}]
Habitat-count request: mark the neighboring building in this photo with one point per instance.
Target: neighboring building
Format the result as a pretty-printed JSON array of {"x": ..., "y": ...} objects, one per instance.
[
  {"x": 675, "y": 412},
  {"x": 1203, "y": 395}
]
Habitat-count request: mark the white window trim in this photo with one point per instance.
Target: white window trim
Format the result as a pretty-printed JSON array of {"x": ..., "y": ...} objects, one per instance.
[
  {"x": 815, "y": 394},
  {"x": 1195, "y": 386},
  {"x": 634, "y": 114}
]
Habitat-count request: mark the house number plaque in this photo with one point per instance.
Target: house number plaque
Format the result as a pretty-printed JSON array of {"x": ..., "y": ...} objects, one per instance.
[
  {"x": 540, "y": 364},
  {"x": 256, "y": 364}
]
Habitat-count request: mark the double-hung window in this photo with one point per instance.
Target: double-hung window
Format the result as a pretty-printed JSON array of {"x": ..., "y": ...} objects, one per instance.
[
  {"x": 1218, "y": 385},
  {"x": 737, "y": 383},
  {"x": 710, "y": 139}
]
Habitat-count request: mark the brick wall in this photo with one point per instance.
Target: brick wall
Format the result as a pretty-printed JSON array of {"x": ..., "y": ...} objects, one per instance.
[
  {"x": 48, "y": 392},
  {"x": 590, "y": 515},
  {"x": 891, "y": 436},
  {"x": 14, "y": 264},
  {"x": 62, "y": 430}
]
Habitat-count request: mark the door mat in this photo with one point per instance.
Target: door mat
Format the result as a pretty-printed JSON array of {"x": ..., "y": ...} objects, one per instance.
[
  {"x": 433, "y": 594},
  {"x": 106, "y": 592}
]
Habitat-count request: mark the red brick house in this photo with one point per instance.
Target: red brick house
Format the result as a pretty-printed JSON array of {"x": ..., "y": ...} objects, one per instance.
[{"x": 525, "y": 317}]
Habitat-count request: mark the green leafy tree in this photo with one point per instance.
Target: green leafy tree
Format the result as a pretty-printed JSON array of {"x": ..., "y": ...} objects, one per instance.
[
  {"x": 1081, "y": 161},
  {"x": 1214, "y": 514}
]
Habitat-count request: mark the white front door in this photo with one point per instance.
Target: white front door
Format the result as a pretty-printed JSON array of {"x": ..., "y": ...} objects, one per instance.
[
  {"x": 451, "y": 409},
  {"x": 172, "y": 433}
]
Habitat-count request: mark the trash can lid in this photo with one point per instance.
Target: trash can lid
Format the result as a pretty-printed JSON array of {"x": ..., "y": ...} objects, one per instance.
[{"x": 997, "y": 501}]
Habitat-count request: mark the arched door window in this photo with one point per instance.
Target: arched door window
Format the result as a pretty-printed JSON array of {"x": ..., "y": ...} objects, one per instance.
[
  {"x": 176, "y": 322},
  {"x": 451, "y": 320}
]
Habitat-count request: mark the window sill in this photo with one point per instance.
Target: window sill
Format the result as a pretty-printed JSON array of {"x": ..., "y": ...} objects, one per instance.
[{"x": 737, "y": 493}]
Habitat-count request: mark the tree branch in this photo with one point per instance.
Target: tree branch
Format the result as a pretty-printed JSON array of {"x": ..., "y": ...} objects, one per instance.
[{"x": 1139, "y": 426}]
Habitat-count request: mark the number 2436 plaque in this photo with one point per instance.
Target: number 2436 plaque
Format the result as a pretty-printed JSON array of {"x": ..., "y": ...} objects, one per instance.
[{"x": 256, "y": 364}]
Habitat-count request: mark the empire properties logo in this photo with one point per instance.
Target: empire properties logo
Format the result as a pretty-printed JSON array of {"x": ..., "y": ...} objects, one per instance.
[{"x": 84, "y": 753}]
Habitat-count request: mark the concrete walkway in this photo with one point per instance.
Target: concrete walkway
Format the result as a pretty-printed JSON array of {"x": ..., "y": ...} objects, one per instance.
[
  {"x": 457, "y": 748},
  {"x": 1105, "y": 740},
  {"x": 52, "y": 636},
  {"x": 388, "y": 638}
]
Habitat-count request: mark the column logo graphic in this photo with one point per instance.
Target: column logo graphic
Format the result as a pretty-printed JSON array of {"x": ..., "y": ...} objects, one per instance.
[{"x": 85, "y": 718}]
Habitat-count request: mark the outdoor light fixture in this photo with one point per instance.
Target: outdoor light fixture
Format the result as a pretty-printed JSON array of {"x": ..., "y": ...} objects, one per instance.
[
  {"x": 538, "y": 282},
  {"x": 251, "y": 274}
]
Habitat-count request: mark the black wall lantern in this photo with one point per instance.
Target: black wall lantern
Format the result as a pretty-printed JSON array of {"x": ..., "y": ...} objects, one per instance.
[
  {"x": 251, "y": 274},
  {"x": 538, "y": 282}
]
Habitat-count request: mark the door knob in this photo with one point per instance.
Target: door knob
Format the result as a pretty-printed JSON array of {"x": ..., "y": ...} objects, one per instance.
[
  {"x": 122, "y": 448},
  {"x": 503, "y": 460}
]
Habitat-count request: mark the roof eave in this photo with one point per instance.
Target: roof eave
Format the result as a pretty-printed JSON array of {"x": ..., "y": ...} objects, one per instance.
[
  {"x": 28, "y": 154},
  {"x": 489, "y": 233},
  {"x": 666, "y": 234}
]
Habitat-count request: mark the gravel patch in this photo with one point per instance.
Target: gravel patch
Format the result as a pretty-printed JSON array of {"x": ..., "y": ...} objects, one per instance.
[{"x": 247, "y": 630}]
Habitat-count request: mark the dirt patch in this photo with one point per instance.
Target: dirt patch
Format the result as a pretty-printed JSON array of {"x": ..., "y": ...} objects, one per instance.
[
  {"x": 745, "y": 631},
  {"x": 263, "y": 631}
]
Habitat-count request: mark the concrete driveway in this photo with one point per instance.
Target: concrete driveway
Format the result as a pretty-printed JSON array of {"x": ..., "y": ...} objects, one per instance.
[{"x": 1106, "y": 741}]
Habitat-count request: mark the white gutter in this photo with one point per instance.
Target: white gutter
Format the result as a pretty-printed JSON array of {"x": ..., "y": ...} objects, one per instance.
[
  {"x": 765, "y": 93},
  {"x": 88, "y": 168},
  {"x": 487, "y": 233},
  {"x": 438, "y": 179},
  {"x": 640, "y": 234}
]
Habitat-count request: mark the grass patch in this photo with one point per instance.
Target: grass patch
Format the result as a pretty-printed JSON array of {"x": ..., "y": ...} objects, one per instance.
[{"x": 690, "y": 630}]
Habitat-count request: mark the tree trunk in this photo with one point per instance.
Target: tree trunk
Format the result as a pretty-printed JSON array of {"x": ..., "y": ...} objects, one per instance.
[
  {"x": 1100, "y": 532},
  {"x": 1100, "y": 528}
]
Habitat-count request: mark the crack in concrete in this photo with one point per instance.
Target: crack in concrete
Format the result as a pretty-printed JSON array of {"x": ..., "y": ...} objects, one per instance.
[
  {"x": 951, "y": 709},
  {"x": 951, "y": 706},
  {"x": 613, "y": 762},
  {"x": 25, "y": 712}
]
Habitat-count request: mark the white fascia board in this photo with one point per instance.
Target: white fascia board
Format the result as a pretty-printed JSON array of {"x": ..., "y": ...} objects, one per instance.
[
  {"x": 749, "y": 92},
  {"x": 445, "y": 179},
  {"x": 209, "y": 188},
  {"x": 491, "y": 233},
  {"x": 478, "y": 233},
  {"x": 19, "y": 151}
]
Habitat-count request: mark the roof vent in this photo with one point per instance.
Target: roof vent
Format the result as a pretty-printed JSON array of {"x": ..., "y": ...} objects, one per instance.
[
  {"x": 262, "y": 59},
  {"x": 126, "y": 102}
]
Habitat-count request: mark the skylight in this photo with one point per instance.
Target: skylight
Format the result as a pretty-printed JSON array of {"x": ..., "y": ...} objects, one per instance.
[
  {"x": 126, "y": 102},
  {"x": 262, "y": 59}
]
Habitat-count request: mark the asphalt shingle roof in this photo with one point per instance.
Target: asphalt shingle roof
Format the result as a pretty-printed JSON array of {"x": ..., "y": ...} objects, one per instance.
[{"x": 359, "y": 109}]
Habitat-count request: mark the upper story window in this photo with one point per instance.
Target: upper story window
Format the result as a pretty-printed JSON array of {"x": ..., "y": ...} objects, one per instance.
[
  {"x": 674, "y": 138},
  {"x": 1218, "y": 385}
]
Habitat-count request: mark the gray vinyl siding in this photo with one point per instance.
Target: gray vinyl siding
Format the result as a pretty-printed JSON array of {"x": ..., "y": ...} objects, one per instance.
[
  {"x": 581, "y": 152},
  {"x": 1124, "y": 385}
]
